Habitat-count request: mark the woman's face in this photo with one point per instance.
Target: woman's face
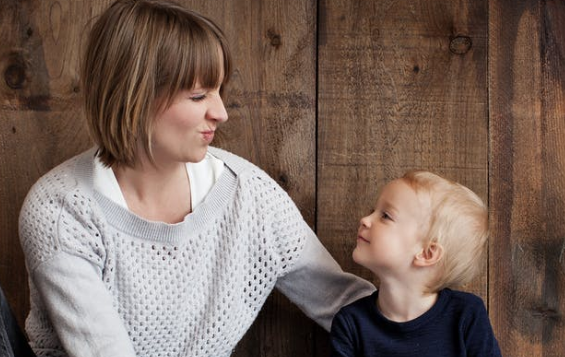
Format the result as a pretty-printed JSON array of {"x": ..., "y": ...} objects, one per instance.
[{"x": 183, "y": 131}]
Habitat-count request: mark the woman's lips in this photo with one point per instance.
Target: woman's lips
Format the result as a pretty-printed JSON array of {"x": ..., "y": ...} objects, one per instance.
[{"x": 208, "y": 136}]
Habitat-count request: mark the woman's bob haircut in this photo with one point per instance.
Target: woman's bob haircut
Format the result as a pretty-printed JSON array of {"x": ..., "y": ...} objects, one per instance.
[{"x": 140, "y": 54}]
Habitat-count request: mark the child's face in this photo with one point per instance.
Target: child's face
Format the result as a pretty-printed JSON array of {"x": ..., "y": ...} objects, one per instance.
[{"x": 389, "y": 238}]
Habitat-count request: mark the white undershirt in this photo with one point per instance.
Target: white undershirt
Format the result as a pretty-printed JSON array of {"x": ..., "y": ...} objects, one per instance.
[{"x": 201, "y": 175}]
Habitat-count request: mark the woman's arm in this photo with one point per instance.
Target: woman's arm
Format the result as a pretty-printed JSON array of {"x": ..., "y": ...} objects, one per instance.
[
  {"x": 318, "y": 285},
  {"x": 80, "y": 308},
  {"x": 65, "y": 257},
  {"x": 309, "y": 276}
]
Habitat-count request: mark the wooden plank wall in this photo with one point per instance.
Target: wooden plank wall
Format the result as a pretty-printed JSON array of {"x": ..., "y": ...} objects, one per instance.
[
  {"x": 41, "y": 123},
  {"x": 333, "y": 98},
  {"x": 527, "y": 176}
]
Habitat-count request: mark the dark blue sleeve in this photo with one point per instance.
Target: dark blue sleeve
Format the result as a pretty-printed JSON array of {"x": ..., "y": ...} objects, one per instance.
[
  {"x": 342, "y": 337},
  {"x": 479, "y": 336}
]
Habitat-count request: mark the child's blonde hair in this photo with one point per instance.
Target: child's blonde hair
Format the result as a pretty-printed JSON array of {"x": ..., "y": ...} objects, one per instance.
[
  {"x": 140, "y": 54},
  {"x": 458, "y": 222}
]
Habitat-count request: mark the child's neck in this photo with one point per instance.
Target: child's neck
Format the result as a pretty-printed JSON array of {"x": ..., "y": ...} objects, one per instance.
[{"x": 402, "y": 303}]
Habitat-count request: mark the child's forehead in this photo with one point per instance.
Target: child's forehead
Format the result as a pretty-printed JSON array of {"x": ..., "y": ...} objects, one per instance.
[
  {"x": 402, "y": 195},
  {"x": 396, "y": 188}
]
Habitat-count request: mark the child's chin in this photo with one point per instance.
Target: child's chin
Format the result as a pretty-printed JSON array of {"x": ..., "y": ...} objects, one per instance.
[{"x": 356, "y": 256}]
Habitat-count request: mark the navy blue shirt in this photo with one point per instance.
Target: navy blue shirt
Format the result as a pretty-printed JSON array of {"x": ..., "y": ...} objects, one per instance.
[{"x": 456, "y": 325}]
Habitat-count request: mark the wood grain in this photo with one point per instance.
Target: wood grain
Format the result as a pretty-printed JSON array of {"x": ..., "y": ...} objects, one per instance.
[
  {"x": 402, "y": 85},
  {"x": 527, "y": 177},
  {"x": 40, "y": 117}
]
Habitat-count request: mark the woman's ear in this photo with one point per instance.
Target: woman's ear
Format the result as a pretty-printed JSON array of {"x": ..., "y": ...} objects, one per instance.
[{"x": 429, "y": 255}]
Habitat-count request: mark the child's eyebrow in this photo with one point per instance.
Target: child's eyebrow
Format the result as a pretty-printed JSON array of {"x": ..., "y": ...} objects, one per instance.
[{"x": 388, "y": 206}]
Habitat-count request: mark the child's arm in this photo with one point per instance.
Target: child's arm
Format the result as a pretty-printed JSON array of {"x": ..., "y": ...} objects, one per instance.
[{"x": 479, "y": 337}]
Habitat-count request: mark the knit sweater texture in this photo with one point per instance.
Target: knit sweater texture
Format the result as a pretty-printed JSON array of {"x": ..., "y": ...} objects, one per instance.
[{"x": 105, "y": 282}]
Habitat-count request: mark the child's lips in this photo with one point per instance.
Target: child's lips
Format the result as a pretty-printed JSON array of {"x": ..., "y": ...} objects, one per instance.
[{"x": 362, "y": 239}]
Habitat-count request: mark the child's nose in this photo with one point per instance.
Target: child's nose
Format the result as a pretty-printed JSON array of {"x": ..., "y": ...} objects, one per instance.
[{"x": 365, "y": 222}]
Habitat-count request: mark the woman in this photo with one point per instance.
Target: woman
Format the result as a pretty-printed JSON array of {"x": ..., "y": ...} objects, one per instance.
[{"x": 153, "y": 243}]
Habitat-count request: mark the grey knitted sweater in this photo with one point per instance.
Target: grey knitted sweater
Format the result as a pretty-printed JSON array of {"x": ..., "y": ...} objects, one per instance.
[{"x": 105, "y": 282}]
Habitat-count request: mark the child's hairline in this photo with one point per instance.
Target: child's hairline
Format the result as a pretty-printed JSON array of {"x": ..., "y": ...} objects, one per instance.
[{"x": 438, "y": 203}]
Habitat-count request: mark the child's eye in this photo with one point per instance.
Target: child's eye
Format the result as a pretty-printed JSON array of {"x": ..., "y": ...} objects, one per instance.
[{"x": 386, "y": 216}]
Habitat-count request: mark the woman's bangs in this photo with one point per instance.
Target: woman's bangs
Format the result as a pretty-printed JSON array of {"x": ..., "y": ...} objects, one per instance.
[
  {"x": 194, "y": 56},
  {"x": 209, "y": 62}
]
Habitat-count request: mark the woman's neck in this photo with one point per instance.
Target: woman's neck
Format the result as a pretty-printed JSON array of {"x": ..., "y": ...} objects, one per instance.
[{"x": 156, "y": 193}]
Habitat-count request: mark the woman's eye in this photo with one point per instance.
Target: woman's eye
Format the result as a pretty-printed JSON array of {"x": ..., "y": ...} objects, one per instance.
[{"x": 198, "y": 98}]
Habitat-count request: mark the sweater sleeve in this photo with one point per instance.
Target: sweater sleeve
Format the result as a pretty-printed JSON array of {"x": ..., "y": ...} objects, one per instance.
[
  {"x": 310, "y": 277},
  {"x": 317, "y": 284},
  {"x": 63, "y": 247},
  {"x": 80, "y": 308}
]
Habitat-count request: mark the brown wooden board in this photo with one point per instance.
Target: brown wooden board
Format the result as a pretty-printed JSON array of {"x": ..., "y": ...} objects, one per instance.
[
  {"x": 41, "y": 122},
  {"x": 402, "y": 85},
  {"x": 527, "y": 176}
]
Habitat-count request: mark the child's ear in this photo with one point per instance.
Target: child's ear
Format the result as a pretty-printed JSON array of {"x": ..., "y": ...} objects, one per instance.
[{"x": 429, "y": 255}]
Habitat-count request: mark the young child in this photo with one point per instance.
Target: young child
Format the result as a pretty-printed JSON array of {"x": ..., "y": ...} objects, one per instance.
[{"x": 426, "y": 236}]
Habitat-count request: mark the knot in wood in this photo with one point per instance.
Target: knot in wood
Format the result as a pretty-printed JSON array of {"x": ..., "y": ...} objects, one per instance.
[
  {"x": 274, "y": 38},
  {"x": 460, "y": 45},
  {"x": 15, "y": 76},
  {"x": 284, "y": 181}
]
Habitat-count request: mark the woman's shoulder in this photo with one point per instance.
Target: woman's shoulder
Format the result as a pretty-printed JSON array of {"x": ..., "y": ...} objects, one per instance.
[
  {"x": 234, "y": 162},
  {"x": 58, "y": 182},
  {"x": 55, "y": 194},
  {"x": 255, "y": 183},
  {"x": 241, "y": 167}
]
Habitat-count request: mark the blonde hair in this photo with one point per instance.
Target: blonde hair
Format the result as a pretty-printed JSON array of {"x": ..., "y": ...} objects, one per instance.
[
  {"x": 140, "y": 54},
  {"x": 458, "y": 222}
]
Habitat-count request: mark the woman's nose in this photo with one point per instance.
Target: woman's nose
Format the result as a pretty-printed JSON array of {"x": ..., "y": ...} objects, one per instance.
[{"x": 217, "y": 110}]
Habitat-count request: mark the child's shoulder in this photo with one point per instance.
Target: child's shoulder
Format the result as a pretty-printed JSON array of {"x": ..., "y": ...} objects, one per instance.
[
  {"x": 464, "y": 300},
  {"x": 360, "y": 305},
  {"x": 357, "y": 313},
  {"x": 464, "y": 296}
]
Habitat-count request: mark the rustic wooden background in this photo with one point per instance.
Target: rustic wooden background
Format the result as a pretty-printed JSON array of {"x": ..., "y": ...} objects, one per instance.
[{"x": 333, "y": 98}]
